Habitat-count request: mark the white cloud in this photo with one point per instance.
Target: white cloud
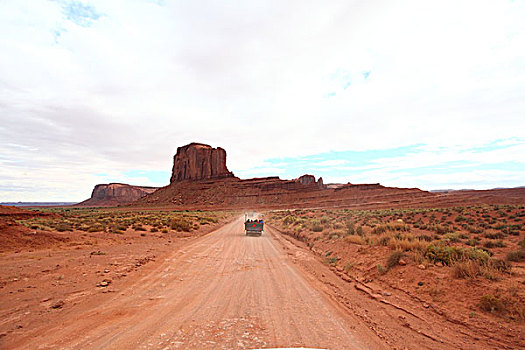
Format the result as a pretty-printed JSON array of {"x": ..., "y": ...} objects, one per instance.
[
  {"x": 331, "y": 163},
  {"x": 146, "y": 77}
]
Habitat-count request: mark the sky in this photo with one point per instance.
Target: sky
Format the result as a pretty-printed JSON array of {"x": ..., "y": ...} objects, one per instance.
[{"x": 427, "y": 94}]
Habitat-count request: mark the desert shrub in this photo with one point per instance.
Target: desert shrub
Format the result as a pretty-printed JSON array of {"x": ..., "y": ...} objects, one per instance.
[
  {"x": 452, "y": 237},
  {"x": 406, "y": 244},
  {"x": 379, "y": 229},
  {"x": 96, "y": 228},
  {"x": 393, "y": 259},
  {"x": 383, "y": 240},
  {"x": 63, "y": 226},
  {"x": 449, "y": 254},
  {"x": 424, "y": 238},
  {"x": 476, "y": 254},
  {"x": 494, "y": 244},
  {"x": 324, "y": 219},
  {"x": 516, "y": 256},
  {"x": 288, "y": 220},
  {"x": 491, "y": 303},
  {"x": 494, "y": 235},
  {"x": 317, "y": 227},
  {"x": 359, "y": 230},
  {"x": 459, "y": 218},
  {"x": 180, "y": 224},
  {"x": 206, "y": 220},
  {"x": 499, "y": 265},
  {"x": 473, "y": 242},
  {"x": 475, "y": 229},
  {"x": 333, "y": 236},
  {"x": 381, "y": 269},
  {"x": 355, "y": 239},
  {"x": 350, "y": 228},
  {"x": 466, "y": 269},
  {"x": 393, "y": 227},
  {"x": 164, "y": 230},
  {"x": 153, "y": 229}
]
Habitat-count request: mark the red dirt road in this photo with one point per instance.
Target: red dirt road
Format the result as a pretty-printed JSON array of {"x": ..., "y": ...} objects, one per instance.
[{"x": 221, "y": 291}]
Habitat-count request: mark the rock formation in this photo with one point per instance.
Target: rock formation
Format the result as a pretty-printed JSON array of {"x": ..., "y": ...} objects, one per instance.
[
  {"x": 310, "y": 179},
  {"x": 198, "y": 161},
  {"x": 200, "y": 179},
  {"x": 116, "y": 194},
  {"x": 306, "y": 179}
]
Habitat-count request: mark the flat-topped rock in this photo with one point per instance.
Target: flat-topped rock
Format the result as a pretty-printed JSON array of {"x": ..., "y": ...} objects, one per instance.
[
  {"x": 198, "y": 161},
  {"x": 116, "y": 194}
]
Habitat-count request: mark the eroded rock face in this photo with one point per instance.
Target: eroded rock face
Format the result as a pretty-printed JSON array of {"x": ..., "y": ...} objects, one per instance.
[
  {"x": 310, "y": 179},
  {"x": 198, "y": 161},
  {"x": 306, "y": 179},
  {"x": 116, "y": 193},
  {"x": 320, "y": 183}
]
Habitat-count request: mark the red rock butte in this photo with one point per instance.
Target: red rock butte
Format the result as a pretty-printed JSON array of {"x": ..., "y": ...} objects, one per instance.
[{"x": 198, "y": 161}]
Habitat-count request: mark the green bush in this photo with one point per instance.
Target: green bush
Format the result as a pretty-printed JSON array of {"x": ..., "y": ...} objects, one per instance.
[{"x": 449, "y": 254}]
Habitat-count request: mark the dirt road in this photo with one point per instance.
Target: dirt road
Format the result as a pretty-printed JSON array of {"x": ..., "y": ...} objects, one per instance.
[{"x": 222, "y": 291}]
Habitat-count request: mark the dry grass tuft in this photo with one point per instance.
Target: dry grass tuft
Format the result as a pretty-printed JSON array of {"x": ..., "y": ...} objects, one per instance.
[{"x": 355, "y": 239}]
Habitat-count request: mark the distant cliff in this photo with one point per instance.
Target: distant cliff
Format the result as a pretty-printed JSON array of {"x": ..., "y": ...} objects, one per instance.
[{"x": 114, "y": 194}]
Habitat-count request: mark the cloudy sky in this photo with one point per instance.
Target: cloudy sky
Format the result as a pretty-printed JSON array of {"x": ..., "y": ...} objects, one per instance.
[{"x": 427, "y": 94}]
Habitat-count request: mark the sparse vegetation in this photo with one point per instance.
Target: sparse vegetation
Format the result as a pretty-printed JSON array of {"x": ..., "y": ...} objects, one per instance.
[
  {"x": 467, "y": 242},
  {"x": 393, "y": 259},
  {"x": 180, "y": 224},
  {"x": 117, "y": 222},
  {"x": 516, "y": 256},
  {"x": 491, "y": 303}
]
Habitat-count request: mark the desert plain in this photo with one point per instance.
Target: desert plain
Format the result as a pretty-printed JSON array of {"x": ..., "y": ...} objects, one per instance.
[{"x": 337, "y": 267}]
